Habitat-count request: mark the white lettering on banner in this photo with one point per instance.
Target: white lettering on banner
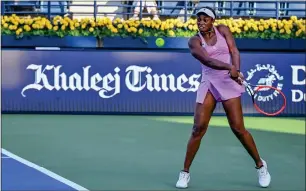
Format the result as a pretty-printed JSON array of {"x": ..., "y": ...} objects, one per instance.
[
  {"x": 74, "y": 81},
  {"x": 271, "y": 77},
  {"x": 298, "y": 80},
  {"x": 295, "y": 76},
  {"x": 158, "y": 82},
  {"x": 298, "y": 96},
  {"x": 138, "y": 78}
]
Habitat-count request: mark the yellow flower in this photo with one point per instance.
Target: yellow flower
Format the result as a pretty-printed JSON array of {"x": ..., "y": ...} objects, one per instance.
[
  {"x": 297, "y": 33},
  {"x": 65, "y": 23},
  {"x": 91, "y": 29},
  {"x": 140, "y": 31},
  {"x": 27, "y": 28},
  {"x": 282, "y": 31},
  {"x": 167, "y": 26},
  {"x": 287, "y": 27},
  {"x": 266, "y": 26},
  {"x": 288, "y": 31},
  {"x": 114, "y": 30},
  {"x": 77, "y": 24},
  {"x": 30, "y": 22},
  {"x": 179, "y": 24},
  {"x": 195, "y": 27},
  {"x": 63, "y": 27},
  {"x": 261, "y": 28},
  {"x": 274, "y": 29},
  {"x": 134, "y": 30},
  {"x": 171, "y": 33},
  {"x": 55, "y": 28},
  {"x": 255, "y": 28},
  {"x": 280, "y": 25},
  {"x": 119, "y": 26},
  {"x": 5, "y": 25},
  {"x": 246, "y": 28}
]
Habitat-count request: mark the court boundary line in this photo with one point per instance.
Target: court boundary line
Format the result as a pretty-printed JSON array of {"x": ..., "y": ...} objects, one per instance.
[{"x": 44, "y": 171}]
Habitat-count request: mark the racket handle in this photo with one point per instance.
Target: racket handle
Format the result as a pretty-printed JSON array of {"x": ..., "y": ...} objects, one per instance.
[{"x": 245, "y": 83}]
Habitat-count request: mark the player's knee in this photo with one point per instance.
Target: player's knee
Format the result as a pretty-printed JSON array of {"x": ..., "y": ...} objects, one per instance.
[
  {"x": 239, "y": 130},
  {"x": 198, "y": 130}
]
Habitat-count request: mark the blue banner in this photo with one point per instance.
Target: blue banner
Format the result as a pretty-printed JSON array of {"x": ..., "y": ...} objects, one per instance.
[{"x": 132, "y": 81}]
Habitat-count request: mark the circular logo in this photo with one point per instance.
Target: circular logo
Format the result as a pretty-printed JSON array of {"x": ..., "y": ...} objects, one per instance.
[
  {"x": 265, "y": 75},
  {"x": 160, "y": 42}
]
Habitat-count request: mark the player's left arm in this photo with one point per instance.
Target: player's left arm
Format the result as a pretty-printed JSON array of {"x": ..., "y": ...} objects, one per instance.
[{"x": 225, "y": 31}]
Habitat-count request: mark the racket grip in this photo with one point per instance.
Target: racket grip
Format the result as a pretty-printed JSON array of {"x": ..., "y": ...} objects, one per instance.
[{"x": 245, "y": 83}]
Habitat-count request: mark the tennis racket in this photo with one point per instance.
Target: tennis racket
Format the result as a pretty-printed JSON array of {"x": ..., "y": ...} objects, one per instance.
[{"x": 267, "y": 100}]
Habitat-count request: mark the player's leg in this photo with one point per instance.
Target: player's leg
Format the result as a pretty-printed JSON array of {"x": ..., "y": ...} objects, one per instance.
[
  {"x": 152, "y": 8},
  {"x": 202, "y": 117},
  {"x": 136, "y": 3},
  {"x": 234, "y": 115}
]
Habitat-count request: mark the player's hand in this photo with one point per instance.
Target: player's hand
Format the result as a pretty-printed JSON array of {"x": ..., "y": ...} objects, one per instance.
[
  {"x": 240, "y": 78},
  {"x": 234, "y": 73}
]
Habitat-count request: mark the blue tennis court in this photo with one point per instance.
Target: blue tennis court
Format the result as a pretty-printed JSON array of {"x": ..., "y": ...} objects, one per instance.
[{"x": 20, "y": 174}]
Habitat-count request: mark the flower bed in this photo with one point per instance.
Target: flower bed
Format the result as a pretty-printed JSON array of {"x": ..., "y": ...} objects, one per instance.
[{"x": 104, "y": 27}]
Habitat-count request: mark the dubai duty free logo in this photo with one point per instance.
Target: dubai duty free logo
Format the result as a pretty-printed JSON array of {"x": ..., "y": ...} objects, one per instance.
[{"x": 266, "y": 75}]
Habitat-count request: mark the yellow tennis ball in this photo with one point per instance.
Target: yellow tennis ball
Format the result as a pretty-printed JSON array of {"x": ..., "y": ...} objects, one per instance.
[{"x": 160, "y": 42}]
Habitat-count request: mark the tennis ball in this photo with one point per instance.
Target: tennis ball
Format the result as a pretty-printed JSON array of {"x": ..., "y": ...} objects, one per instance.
[{"x": 160, "y": 42}]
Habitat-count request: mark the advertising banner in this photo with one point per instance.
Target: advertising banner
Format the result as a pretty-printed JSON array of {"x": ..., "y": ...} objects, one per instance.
[{"x": 133, "y": 81}]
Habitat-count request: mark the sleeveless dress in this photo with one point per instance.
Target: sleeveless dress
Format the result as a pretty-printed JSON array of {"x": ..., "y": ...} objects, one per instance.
[{"x": 218, "y": 82}]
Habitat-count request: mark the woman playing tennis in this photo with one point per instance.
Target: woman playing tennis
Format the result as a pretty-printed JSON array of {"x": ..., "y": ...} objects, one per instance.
[{"x": 214, "y": 47}]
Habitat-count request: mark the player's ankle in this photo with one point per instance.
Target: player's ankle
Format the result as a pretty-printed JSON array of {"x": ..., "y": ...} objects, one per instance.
[
  {"x": 185, "y": 170},
  {"x": 259, "y": 164}
]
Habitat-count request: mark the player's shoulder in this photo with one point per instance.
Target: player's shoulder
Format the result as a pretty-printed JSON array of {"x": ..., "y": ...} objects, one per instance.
[
  {"x": 194, "y": 40},
  {"x": 223, "y": 28}
]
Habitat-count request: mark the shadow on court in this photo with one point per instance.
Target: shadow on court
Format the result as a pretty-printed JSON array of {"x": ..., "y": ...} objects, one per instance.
[{"x": 138, "y": 153}]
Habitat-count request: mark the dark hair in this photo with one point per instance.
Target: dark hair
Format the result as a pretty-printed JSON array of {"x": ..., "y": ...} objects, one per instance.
[{"x": 209, "y": 9}]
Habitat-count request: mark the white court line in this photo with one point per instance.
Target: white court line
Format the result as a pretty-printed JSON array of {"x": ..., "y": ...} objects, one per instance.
[
  {"x": 44, "y": 171},
  {"x": 5, "y": 157}
]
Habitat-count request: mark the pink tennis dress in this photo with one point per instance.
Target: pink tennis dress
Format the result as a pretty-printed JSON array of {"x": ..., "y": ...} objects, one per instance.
[{"x": 218, "y": 82}]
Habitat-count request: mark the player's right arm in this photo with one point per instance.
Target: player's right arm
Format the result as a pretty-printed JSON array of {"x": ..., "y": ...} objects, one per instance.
[{"x": 200, "y": 54}]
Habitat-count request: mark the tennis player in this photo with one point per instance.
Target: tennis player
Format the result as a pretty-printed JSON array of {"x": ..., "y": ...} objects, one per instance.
[{"x": 214, "y": 47}]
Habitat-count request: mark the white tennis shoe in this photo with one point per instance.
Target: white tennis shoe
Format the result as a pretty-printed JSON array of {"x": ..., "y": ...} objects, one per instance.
[
  {"x": 264, "y": 177},
  {"x": 183, "y": 180}
]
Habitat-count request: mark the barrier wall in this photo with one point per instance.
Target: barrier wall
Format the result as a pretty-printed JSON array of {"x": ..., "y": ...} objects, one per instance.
[{"x": 131, "y": 81}]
